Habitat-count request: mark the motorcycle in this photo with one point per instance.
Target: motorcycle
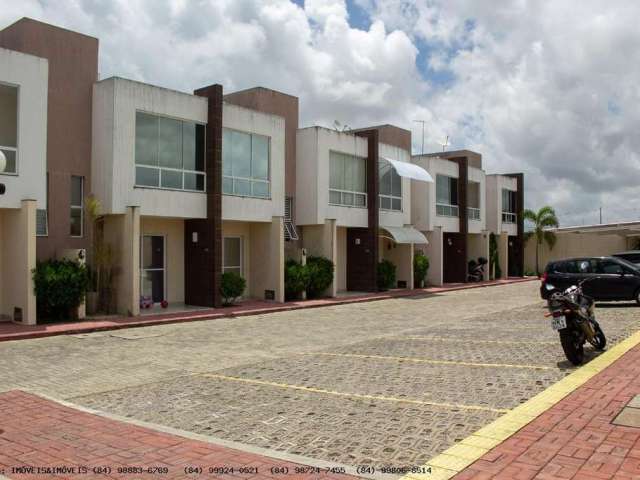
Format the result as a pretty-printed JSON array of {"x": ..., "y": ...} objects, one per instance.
[
  {"x": 573, "y": 317},
  {"x": 476, "y": 270}
]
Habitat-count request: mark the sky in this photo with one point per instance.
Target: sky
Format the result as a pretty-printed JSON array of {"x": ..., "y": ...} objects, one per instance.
[{"x": 549, "y": 88}]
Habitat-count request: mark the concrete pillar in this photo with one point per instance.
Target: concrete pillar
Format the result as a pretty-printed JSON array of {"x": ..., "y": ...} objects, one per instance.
[
  {"x": 484, "y": 244},
  {"x": 277, "y": 257},
  {"x": 503, "y": 253},
  {"x": 401, "y": 255},
  {"x": 434, "y": 251},
  {"x": 18, "y": 232},
  {"x": 128, "y": 282}
]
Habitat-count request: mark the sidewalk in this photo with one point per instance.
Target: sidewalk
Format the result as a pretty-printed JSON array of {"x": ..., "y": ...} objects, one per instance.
[
  {"x": 575, "y": 439},
  {"x": 11, "y": 331},
  {"x": 40, "y": 438}
]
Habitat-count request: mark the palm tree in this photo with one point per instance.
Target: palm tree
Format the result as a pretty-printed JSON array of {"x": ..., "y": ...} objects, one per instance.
[{"x": 542, "y": 220}]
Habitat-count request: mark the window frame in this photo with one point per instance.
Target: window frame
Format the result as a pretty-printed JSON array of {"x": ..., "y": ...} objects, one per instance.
[
  {"x": 509, "y": 216},
  {"x": 159, "y": 168},
  {"x": 45, "y": 210},
  {"x": 250, "y": 180},
  {"x": 241, "y": 250},
  {"x": 343, "y": 192},
  {"x": 15, "y": 149},
  {"x": 449, "y": 210},
  {"x": 80, "y": 207},
  {"x": 391, "y": 197}
]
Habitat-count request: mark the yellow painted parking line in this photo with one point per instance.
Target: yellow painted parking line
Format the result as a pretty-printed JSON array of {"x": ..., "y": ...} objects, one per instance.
[
  {"x": 351, "y": 395},
  {"x": 458, "y": 340},
  {"x": 455, "y": 459},
  {"x": 428, "y": 360}
]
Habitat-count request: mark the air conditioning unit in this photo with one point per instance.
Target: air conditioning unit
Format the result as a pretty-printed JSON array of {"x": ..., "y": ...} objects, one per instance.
[{"x": 75, "y": 254}]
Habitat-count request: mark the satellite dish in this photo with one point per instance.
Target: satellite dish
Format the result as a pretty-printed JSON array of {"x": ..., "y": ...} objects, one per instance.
[{"x": 3, "y": 161}]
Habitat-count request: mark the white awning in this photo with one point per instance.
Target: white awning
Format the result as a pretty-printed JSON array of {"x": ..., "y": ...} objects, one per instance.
[
  {"x": 406, "y": 235},
  {"x": 409, "y": 170}
]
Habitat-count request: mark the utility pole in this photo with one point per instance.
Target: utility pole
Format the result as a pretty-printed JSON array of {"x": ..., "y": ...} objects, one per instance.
[
  {"x": 600, "y": 215},
  {"x": 422, "y": 122}
]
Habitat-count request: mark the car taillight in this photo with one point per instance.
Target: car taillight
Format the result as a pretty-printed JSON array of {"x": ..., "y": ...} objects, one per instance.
[{"x": 544, "y": 277}]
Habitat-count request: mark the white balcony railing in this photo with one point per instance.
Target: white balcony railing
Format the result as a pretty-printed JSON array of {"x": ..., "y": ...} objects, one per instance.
[
  {"x": 508, "y": 217},
  {"x": 444, "y": 210},
  {"x": 473, "y": 213}
]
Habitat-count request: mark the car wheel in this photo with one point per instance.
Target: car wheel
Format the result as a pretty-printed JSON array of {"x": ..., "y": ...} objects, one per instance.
[{"x": 637, "y": 296}]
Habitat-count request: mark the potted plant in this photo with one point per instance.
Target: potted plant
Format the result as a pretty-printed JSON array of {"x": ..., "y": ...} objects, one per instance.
[{"x": 420, "y": 269}]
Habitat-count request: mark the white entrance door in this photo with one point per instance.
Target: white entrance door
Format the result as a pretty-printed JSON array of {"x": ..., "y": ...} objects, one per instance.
[{"x": 152, "y": 261}]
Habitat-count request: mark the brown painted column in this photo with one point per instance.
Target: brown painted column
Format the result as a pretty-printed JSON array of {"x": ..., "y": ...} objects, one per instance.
[
  {"x": 203, "y": 238},
  {"x": 368, "y": 270},
  {"x": 463, "y": 215},
  {"x": 520, "y": 212}
]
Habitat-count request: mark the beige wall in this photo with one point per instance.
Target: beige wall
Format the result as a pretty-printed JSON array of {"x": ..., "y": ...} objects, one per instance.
[
  {"x": 478, "y": 246},
  {"x": 573, "y": 245},
  {"x": 401, "y": 255},
  {"x": 433, "y": 250},
  {"x": 263, "y": 255},
  {"x": 172, "y": 229},
  {"x": 17, "y": 260},
  {"x": 322, "y": 240}
]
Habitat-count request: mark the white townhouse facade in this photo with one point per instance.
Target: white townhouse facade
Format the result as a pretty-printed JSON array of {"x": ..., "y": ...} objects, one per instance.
[
  {"x": 149, "y": 158},
  {"x": 23, "y": 143}
]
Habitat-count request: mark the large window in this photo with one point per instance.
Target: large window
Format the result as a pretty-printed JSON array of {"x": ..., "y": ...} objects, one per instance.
[
  {"x": 347, "y": 180},
  {"x": 9, "y": 127},
  {"x": 473, "y": 200},
  {"x": 446, "y": 196},
  {"x": 245, "y": 164},
  {"x": 390, "y": 187},
  {"x": 169, "y": 153},
  {"x": 509, "y": 212},
  {"x": 77, "y": 206},
  {"x": 232, "y": 255}
]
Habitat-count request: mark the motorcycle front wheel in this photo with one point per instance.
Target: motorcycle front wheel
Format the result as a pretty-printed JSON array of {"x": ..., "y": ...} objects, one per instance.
[
  {"x": 599, "y": 340},
  {"x": 572, "y": 345}
]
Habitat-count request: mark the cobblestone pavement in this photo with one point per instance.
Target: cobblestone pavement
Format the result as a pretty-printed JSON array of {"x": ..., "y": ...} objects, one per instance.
[{"x": 392, "y": 382}]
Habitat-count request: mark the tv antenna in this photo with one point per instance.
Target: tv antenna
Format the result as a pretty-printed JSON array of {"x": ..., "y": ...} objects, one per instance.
[
  {"x": 339, "y": 127},
  {"x": 446, "y": 143}
]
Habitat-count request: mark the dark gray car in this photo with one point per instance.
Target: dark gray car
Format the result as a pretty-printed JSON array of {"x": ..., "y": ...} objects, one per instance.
[{"x": 615, "y": 278}]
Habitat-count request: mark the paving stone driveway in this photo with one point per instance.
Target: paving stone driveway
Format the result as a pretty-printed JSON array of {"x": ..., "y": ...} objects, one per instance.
[{"x": 391, "y": 382}]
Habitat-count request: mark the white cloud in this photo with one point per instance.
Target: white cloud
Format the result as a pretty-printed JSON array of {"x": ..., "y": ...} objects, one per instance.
[{"x": 545, "y": 87}]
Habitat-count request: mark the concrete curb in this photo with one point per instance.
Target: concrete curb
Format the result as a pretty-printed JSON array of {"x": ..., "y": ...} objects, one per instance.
[
  {"x": 458, "y": 457},
  {"x": 259, "y": 311}
]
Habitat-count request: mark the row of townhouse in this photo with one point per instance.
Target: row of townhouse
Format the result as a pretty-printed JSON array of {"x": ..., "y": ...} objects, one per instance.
[{"x": 194, "y": 185}]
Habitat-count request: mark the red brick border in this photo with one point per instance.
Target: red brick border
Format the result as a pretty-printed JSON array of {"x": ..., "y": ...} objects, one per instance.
[
  {"x": 575, "y": 438},
  {"x": 40, "y": 433}
]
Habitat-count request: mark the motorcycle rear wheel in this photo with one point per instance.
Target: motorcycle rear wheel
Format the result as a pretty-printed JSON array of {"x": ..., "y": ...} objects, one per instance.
[{"x": 572, "y": 346}]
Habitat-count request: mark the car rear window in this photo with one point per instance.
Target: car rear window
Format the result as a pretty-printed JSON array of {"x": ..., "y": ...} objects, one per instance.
[{"x": 631, "y": 257}]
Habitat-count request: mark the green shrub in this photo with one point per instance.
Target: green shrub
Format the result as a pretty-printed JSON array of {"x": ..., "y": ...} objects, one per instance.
[
  {"x": 296, "y": 279},
  {"x": 232, "y": 286},
  {"x": 320, "y": 273},
  {"x": 420, "y": 268},
  {"x": 60, "y": 287},
  {"x": 386, "y": 275}
]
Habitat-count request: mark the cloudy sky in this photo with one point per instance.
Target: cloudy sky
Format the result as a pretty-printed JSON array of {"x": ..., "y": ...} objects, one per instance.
[{"x": 547, "y": 87}]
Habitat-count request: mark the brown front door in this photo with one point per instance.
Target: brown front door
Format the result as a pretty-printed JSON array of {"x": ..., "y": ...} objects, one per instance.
[
  {"x": 361, "y": 264},
  {"x": 454, "y": 257}
]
